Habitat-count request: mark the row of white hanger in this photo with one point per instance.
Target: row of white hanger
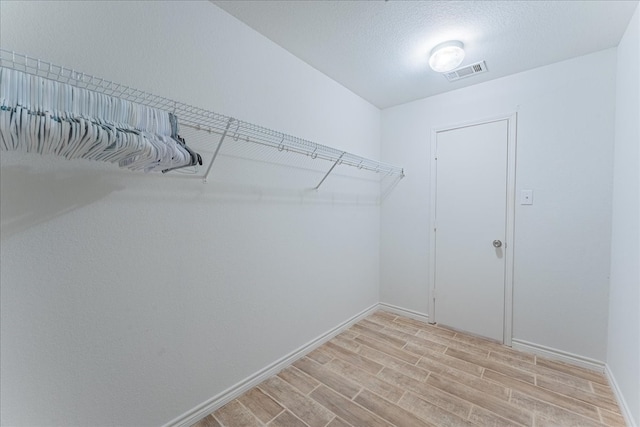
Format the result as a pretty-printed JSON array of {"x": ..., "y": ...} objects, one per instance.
[{"x": 48, "y": 117}]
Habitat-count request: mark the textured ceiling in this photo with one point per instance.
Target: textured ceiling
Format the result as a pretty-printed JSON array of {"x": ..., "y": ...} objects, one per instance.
[{"x": 379, "y": 49}]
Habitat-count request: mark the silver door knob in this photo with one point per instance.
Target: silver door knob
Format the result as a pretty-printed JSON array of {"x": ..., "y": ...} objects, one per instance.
[{"x": 497, "y": 243}]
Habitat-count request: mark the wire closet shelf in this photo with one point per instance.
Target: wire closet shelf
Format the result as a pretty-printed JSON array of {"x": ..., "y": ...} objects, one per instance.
[{"x": 197, "y": 118}]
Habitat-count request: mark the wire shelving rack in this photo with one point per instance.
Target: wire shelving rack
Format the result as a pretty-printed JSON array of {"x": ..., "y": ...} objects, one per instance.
[{"x": 229, "y": 128}]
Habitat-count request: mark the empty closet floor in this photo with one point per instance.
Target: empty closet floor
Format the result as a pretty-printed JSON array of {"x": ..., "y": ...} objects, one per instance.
[{"x": 389, "y": 370}]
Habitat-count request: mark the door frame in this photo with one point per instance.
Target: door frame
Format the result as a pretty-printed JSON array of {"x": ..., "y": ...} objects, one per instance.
[{"x": 510, "y": 217}]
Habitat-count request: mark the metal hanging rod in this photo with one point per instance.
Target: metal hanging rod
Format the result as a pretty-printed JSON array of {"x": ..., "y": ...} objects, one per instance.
[{"x": 197, "y": 118}]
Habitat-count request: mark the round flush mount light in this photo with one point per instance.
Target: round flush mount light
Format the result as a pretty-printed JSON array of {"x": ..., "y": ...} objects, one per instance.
[{"x": 446, "y": 56}]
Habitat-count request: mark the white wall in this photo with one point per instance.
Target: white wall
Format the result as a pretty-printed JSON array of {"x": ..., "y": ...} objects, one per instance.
[
  {"x": 129, "y": 299},
  {"x": 623, "y": 350},
  {"x": 565, "y": 154}
]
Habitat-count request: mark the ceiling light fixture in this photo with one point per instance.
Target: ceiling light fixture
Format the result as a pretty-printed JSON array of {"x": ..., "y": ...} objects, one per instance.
[{"x": 446, "y": 56}]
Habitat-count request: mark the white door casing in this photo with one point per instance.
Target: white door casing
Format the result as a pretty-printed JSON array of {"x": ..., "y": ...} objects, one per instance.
[{"x": 472, "y": 204}]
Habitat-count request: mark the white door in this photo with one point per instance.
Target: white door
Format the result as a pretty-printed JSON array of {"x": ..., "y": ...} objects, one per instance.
[{"x": 471, "y": 195}]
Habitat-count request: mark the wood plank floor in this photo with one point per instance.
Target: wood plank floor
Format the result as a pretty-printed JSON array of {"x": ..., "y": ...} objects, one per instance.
[{"x": 389, "y": 370}]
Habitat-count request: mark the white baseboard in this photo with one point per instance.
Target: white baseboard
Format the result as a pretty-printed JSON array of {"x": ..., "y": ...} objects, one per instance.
[
  {"x": 555, "y": 354},
  {"x": 404, "y": 312},
  {"x": 199, "y": 412},
  {"x": 624, "y": 408},
  {"x": 196, "y": 414}
]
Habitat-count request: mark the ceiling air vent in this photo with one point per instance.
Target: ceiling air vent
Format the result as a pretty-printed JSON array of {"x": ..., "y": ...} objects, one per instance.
[{"x": 469, "y": 70}]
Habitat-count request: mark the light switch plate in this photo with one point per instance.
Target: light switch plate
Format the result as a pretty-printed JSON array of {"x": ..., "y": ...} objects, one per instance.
[{"x": 526, "y": 197}]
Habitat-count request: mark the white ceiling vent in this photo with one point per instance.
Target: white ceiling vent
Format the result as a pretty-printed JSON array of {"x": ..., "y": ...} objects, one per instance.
[{"x": 469, "y": 70}]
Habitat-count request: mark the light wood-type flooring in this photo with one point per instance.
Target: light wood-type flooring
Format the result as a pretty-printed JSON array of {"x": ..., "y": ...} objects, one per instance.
[{"x": 389, "y": 370}]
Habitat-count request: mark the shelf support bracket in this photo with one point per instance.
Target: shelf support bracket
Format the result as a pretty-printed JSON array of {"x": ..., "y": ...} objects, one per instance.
[
  {"x": 215, "y": 153},
  {"x": 330, "y": 170}
]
